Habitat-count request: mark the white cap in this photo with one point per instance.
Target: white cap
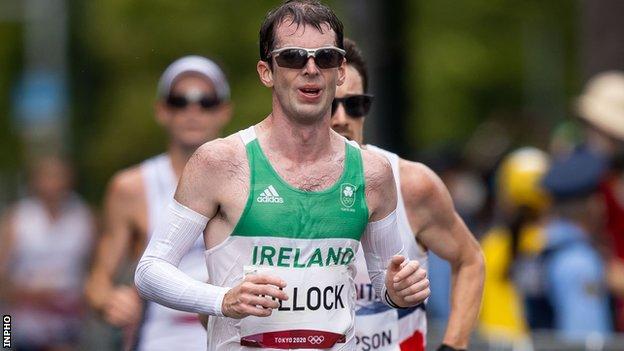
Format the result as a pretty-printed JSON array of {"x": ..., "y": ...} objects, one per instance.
[
  {"x": 194, "y": 64},
  {"x": 602, "y": 103}
]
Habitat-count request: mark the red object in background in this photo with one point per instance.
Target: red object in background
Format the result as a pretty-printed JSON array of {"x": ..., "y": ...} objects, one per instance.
[{"x": 615, "y": 233}]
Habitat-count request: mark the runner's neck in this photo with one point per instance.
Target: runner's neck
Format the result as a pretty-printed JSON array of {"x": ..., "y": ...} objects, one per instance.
[{"x": 296, "y": 142}]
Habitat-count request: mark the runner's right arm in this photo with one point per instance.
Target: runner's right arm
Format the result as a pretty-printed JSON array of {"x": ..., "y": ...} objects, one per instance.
[
  {"x": 119, "y": 305},
  {"x": 197, "y": 200}
]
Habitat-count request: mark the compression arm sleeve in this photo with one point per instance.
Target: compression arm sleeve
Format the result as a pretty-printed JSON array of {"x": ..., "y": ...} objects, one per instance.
[
  {"x": 157, "y": 277},
  {"x": 381, "y": 241}
]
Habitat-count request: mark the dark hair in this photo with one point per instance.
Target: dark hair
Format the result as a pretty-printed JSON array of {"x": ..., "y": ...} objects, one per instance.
[
  {"x": 356, "y": 59},
  {"x": 299, "y": 12}
]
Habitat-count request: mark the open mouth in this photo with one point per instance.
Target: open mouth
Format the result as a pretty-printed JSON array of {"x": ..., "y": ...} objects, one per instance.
[{"x": 310, "y": 92}]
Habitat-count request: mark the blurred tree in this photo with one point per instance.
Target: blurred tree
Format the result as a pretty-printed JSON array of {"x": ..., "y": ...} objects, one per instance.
[
  {"x": 476, "y": 59},
  {"x": 10, "y": 57},
  {"x": 10, "y": 145}
]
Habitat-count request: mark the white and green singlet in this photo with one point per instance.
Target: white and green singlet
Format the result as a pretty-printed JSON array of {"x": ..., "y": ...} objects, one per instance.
[{"x": 307, "y": 238}]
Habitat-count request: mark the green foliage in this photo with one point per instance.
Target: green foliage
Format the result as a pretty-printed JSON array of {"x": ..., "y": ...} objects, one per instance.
[
  {"x": 10, "y": 57},
  {"x": 472, "y": 59}
]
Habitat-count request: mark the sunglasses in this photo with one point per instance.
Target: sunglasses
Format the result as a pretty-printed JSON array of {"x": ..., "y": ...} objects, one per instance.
[
  {"x": 182, "y": 101},
  {"x": 296, "y": 57},
  {"x": 354, "y": 105}
]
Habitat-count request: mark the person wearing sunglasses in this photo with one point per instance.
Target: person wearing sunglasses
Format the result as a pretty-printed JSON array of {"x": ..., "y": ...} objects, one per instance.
[
  {"x": 282, "y": 206},
  {"x": 192, "y": 106},
  {"x": 427, "y": 221}
]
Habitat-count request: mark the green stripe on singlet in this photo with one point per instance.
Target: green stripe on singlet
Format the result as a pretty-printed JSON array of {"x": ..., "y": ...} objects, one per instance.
[{"x": 277, "y": 209}]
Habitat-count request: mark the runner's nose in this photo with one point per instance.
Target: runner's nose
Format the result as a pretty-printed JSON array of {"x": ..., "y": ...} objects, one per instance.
[
  {"x": 311, "y": 68},
  {"x": 339, "y": 118}
]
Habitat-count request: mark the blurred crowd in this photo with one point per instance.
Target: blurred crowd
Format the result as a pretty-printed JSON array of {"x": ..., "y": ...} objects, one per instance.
[
  {"x": 551, "y": 225},
  {"x": 550, "y": 222}
]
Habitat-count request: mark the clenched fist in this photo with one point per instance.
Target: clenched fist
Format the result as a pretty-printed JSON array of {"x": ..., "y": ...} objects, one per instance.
[
  {"x": 257, "y": 296},
  {"x": 406, "y": 282}
]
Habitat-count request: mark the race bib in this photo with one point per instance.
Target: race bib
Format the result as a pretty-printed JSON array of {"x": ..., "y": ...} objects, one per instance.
[
  {"x": 377, "y": 328},
  {"x": 316, "y": 315}
]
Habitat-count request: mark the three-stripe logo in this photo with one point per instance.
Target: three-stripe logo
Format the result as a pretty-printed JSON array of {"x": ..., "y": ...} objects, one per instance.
[{"x": 270, "y": 195}]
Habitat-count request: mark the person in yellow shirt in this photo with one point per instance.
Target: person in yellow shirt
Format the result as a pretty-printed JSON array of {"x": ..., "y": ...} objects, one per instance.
[{"x": 521, "y": 202}]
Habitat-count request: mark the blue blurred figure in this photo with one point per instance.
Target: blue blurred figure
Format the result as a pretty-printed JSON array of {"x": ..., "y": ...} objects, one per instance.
[{"x": 573, "y": 269}]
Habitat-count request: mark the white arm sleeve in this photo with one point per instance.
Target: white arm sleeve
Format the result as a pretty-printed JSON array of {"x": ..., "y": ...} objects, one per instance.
[
  {"x": 157, "y": 277},
  {"x": 381, "y": 241}
]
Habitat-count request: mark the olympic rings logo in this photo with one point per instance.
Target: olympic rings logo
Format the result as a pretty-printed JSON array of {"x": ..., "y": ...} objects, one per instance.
[{"x": 316, "y": 339}]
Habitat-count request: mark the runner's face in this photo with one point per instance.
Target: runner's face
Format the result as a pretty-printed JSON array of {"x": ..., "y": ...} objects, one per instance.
[
  {"x": 51, "y": 179},
  {"x": 351, "y": 128},
  {"x": 192, "y": 125},
  {"x": 304, "y": 94}
]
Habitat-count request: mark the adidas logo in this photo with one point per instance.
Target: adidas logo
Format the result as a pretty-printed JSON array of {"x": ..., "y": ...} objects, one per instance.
[{"x": 270, "y": 195}]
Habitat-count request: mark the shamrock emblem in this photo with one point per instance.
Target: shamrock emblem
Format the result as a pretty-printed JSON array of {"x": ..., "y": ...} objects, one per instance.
[
  {"x": 347, "y": 194},
  {"x": 347, "y": 191}
]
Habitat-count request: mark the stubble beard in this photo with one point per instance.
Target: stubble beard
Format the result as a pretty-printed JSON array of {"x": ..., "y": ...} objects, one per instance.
[{"x": 302, "y": 113}]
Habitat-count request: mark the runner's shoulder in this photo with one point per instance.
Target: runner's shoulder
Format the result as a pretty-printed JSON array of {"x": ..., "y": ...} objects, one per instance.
[
  {"x": 220, "y": 156},
  {"x": 420, "y": 184},
  {"x": 127, "y": 183},
  {"x": 380, "y": 188},
  {"x": 377, "y": 169}
]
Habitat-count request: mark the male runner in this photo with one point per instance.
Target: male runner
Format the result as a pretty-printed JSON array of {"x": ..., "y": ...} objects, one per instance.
[
  {"x": 283, "y": 206},
  {"x": 425, "y": 212},
  {"x": 193, "y": 106}
]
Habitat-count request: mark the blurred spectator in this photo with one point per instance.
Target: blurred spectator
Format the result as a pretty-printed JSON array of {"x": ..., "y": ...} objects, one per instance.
[
  {"x": 517, "y": 237},
  {"x": 565, "y": 138},
  {"x": 46, "y": 239},
  {"x": 193, "y": 106},
  {"x": 601, "y": 106},
  {"x": 573, "y": 268}
]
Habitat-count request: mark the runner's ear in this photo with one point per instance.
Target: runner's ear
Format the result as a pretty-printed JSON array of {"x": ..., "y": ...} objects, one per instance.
[
  {"x": 161, "y": 113},
  {"x": 265, "y": 73},
  {"x": 342, "y": 72}
]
